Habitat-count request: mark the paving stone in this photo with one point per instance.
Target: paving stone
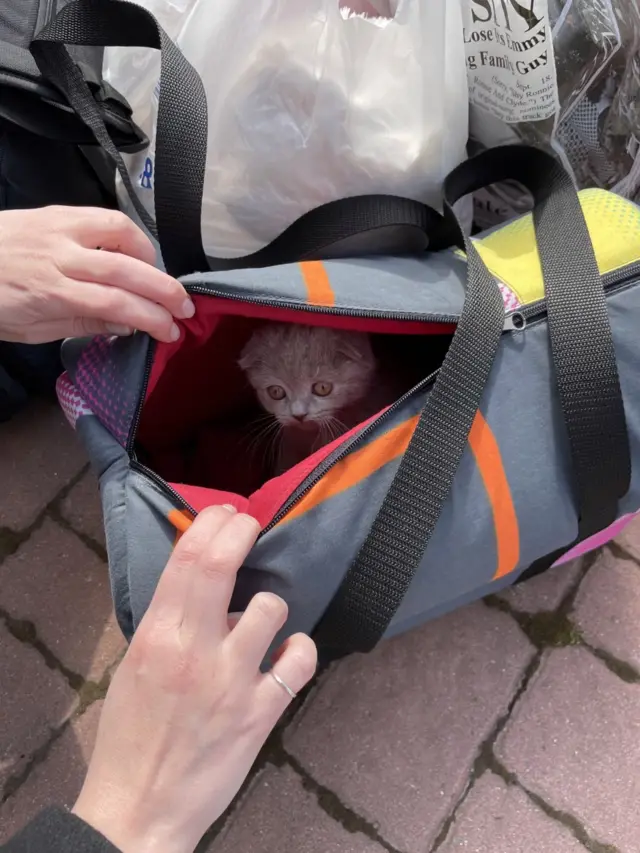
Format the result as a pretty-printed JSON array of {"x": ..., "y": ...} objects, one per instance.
[
  {"x": 83, "y": 510},
  {"x": 574, "y": 740},
  {"x": 630, "y": 538},
  {"x": 607, "y": 608},
  {"x": 544, "y": 592},
  {"x": 58, "y": 780},
  {"x": 34, "y": 702},
  {"x": 61, "y": 586},
  {"x": 501, "y": 818},
  {"x": 395, "y": 734},
  {"x": 279, "y": 814},
  {"x": 40, "y": 454}
]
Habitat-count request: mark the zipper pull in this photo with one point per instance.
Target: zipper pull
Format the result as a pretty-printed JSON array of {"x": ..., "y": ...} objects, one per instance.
[{"x": 515, "y": 322}]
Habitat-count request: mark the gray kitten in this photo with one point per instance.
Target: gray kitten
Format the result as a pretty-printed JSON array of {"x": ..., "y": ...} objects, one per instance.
[{"x": 314, "y": 381}]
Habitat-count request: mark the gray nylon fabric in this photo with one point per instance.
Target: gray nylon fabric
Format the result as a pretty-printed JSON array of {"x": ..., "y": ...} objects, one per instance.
[
  {"x": 19, "y": 20},
  {"x": 406, "y": 285}
]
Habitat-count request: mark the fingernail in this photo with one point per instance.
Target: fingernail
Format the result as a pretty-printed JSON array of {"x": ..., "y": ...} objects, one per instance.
[
  {"x": 121, "y": 331},
  {"x": 229, "y": 508},
  {"x": 188, "y": 309},
  {"x": 174, "y": 334}
]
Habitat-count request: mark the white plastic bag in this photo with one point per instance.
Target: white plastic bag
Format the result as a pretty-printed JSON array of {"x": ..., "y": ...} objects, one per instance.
[{"x": 306, "y": 106}]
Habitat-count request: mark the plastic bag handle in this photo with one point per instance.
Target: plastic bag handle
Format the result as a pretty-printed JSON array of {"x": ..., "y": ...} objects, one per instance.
[
  {"x": 586, "y": 373},
  {"x": 181, "y": 151}
]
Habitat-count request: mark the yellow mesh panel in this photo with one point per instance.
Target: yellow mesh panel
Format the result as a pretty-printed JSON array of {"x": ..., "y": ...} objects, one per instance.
[{"x": 614, "y": 226}]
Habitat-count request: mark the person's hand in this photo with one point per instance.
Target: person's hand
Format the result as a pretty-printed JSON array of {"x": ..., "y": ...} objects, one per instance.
[
  {"x": 188, "y": 708},
  {"x": 55, "y": 283}
]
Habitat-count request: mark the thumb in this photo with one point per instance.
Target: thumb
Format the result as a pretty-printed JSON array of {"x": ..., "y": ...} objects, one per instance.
[
  {"x": 57, "y": 330},
  {"x": 76, "y": 327},
  {"x": 83, "y": 326}
]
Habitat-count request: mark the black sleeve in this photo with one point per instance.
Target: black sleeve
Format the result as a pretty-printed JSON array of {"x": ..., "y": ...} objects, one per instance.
[{"x": 57, "y": 831}]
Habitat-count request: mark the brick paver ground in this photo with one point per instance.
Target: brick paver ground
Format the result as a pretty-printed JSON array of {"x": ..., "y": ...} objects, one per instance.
[{"x": 508, "y": 727}]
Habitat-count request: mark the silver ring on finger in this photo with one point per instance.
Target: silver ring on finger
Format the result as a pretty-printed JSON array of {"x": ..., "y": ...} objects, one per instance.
[{"x": 292, "y": 694}]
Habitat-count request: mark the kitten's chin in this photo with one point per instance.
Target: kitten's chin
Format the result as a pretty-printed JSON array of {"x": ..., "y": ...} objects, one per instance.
[{"x": 301, "y": 426}]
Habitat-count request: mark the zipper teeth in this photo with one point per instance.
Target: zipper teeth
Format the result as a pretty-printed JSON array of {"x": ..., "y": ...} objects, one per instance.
[
  {"x": 271, "y": 303},
  {"x": 528, "y": 311},
  {"x": 157, "y": 479},
  {"x": 143, "y": 396},
  {"x": 316, "y": 475},
  {"x": 321, "y": 309},
  {"x": 327, "y": 464},
  {"x": 610, "y": 281}
]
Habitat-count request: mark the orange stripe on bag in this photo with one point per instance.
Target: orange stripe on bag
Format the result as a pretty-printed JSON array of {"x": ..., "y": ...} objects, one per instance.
[
  {"x": 489, "y": 461},
  {"x": 356, "y": 467},
  {"x": 182, "y": 520},
  {"x": 319, "y": 290}
]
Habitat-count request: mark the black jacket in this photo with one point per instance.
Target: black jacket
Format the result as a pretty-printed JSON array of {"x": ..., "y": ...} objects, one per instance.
[{"x": 58, "y": 831}]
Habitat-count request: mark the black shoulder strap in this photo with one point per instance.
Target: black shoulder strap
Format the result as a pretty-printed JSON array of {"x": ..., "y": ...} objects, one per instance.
[
  {"x": 584, "y": 358},
  {"x": 587, "y": 378}
]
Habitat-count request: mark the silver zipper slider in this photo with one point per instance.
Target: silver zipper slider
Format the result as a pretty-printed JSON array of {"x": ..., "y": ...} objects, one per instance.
[{"x": 515, "y": 322}]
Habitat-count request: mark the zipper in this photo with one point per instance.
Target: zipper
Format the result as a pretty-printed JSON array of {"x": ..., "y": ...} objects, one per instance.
[
  {"x": 286, "y": 305},
  {"x": 317, "y": 474},
  {"x": 516, "y": 321},
  {"x": 162, "y": 484},
  {"x": 320, "y": 309}
]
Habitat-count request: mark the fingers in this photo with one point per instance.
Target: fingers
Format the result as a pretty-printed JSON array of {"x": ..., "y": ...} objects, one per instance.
[
  {"x": 174, "y": 590},
  {"x": 133, "y": 275},
  {"x": 120, "y": 311},
  {"x": 295, "y": 666},
  {"x": 232, "y": 620},
  {"x": 256, "y": 629},
  {"x": 95, "y": 228},
  {"x": 214, "y": 580}
]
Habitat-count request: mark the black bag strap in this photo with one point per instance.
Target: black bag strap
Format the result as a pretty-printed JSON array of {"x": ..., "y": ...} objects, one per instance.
[
  {"x": 586, "y": 372},
  {"x": 582, "y": 348},
  {"x": 32, "y": 103},
  {"x": 181, "y": 151}
]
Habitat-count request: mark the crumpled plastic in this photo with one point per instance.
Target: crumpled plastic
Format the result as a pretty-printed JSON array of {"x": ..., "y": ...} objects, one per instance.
[{"x": 596, "y": 129}]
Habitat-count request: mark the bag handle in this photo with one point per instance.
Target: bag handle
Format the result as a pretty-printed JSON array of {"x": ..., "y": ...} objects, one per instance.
[
  {"x": 582, "y": 349},
  {"x": 181, "y": 151},
  {"x": 586, "y": 374}
]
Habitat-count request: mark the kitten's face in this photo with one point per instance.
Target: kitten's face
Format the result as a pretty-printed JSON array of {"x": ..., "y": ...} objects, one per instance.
[{"x": 304, "y": 375}]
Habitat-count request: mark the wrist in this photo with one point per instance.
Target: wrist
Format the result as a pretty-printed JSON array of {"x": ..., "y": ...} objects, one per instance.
[{"x": 129, "y": 829}]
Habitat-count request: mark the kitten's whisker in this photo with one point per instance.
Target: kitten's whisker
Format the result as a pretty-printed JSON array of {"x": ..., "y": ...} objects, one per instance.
[
  {"x": 257, "y": 438},
  {"x": 273, "y": 447},
  {"x": 257, "y": 425},
  {"x": 332, "y": 428},
  {"x": 263, "y": 435},
  {"x": 335, "y": 427}
]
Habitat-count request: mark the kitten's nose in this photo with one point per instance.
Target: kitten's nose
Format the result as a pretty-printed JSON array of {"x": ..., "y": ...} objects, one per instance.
[{"x": 300, "y": 418}]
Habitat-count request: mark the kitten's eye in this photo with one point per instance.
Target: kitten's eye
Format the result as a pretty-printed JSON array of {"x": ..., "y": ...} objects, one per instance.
[
  {"x": 322, "y": 389},
  {"x": 276, "y": 392}
]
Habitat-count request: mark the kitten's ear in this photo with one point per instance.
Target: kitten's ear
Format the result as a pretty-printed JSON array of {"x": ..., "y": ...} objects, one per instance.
[
  {"x": 249, "y": 357},
  {"x": 246, "y": 361},
  {"x": 347, "y": 351}
]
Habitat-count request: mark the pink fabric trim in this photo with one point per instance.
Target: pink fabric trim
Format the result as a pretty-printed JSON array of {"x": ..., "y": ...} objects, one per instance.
[{"x": 598, "y": 540}]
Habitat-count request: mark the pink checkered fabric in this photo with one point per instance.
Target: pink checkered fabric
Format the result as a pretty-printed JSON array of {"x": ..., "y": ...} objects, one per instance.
[
  {"x": 511, "y": 301},
  {"x": 103, "y": 378},
  {"x": 71, "y": 401}
]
